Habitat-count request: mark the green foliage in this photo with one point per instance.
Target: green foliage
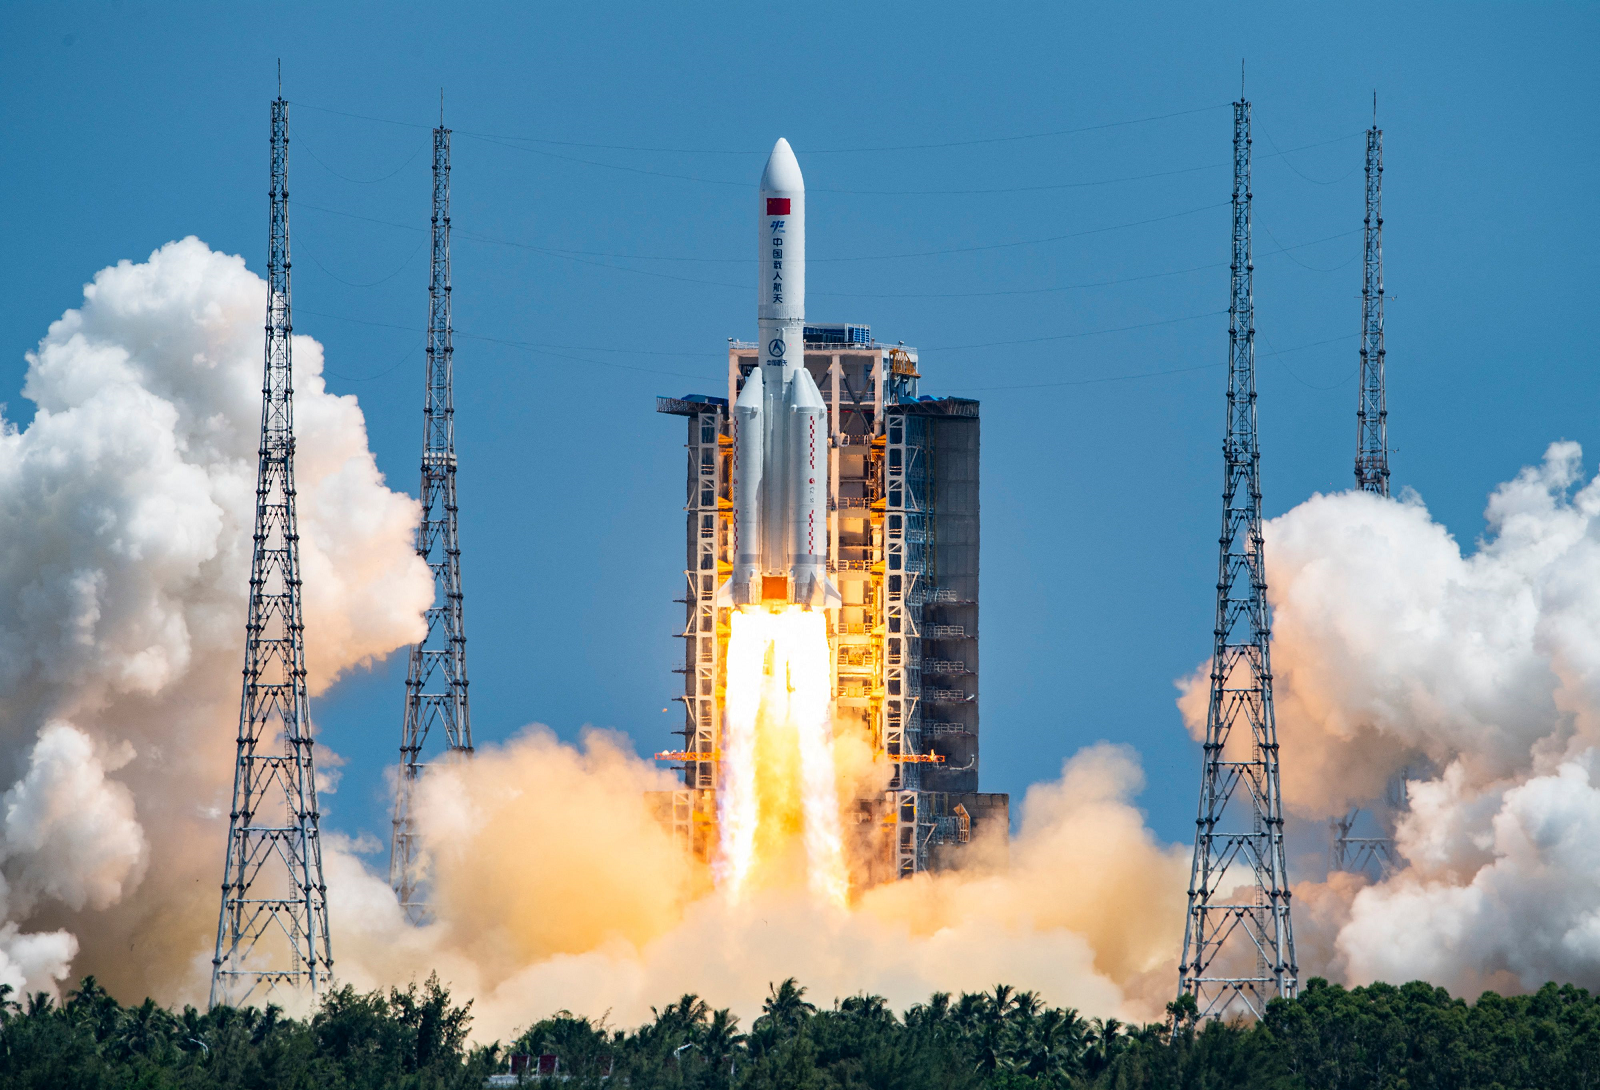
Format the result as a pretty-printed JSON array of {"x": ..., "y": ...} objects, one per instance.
[{"x": 1381, "y": 1037}]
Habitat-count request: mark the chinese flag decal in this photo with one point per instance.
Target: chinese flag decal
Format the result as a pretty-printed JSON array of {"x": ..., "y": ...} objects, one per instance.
[{"x": 777, "y": 206}]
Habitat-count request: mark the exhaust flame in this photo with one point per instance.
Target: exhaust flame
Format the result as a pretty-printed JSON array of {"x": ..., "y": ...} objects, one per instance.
[{"x": 779, "y": 782}]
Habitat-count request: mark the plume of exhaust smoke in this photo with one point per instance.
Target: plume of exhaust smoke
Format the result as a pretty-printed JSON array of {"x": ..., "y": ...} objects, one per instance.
[
  {"x": 1480, "y": 674},
  {"x": 126, "y": 511},
  {"x": 556, "y": 889}
]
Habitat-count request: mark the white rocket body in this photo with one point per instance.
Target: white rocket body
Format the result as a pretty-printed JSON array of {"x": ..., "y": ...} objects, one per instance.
[{"x": 780, "y": 461}]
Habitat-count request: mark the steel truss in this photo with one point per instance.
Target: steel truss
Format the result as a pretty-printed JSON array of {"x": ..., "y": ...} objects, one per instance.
[
  {"x": 436, "y": 678},
  {"x": 1372, "y": 410},
  {"x": 1238, "y": 952},
  {"x": 1374, "y": 856},
  {"x": 906, "y": 492},
  {"x": 272, "y": 930},
  {"x": 705, "y": 627}
]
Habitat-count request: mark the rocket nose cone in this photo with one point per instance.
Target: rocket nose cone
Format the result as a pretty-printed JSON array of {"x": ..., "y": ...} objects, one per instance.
[
  {"x": 782, "y": 174},
  {"x": 803, "y": 392},
  {"x": 750, "y": 396}
]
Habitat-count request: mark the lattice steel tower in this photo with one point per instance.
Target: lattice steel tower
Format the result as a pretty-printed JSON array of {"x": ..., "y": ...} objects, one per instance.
[
  {"x": 273, "y": 927},
  {"x": 1238, "y": 945},
  {"x": 1372, "y": 413},
  {"x": 436, "y": 681}
]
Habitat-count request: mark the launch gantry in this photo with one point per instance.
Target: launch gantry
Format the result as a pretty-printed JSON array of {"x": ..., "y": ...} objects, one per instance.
[{"x": 903, "y": 553}]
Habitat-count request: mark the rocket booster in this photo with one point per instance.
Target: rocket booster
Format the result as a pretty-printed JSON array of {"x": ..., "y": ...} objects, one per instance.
[{"x": 780, "y": 451}]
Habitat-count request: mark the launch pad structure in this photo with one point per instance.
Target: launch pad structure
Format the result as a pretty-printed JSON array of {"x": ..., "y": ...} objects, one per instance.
[{"x": 903, "y": 540}]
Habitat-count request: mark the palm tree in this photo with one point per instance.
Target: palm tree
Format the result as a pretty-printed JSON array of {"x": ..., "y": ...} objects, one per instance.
[
  {"x": 934, "y": 1015},
  {"x": 720, "y": 1040},
  {"x": 786, "y": 1006},
  {"x": 685, "y": 1016},
  {"x": 868, "y": 1008},
  {"x": 92, "y": 1006},
  {"x": 1003, "y": 999},
  {"x": 144, "y": 1030},
  {"x": 1105, "y": 1041},
  {"x": 969, "y": 1010},
  {"x": 1055, "y": 1044}
]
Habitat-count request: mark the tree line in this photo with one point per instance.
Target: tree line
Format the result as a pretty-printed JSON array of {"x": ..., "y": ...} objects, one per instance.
[{"x": 1330, "y": 1038}]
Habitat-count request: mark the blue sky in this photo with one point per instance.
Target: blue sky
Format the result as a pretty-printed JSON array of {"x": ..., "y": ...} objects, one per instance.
[{"x": 130, "y": 124}]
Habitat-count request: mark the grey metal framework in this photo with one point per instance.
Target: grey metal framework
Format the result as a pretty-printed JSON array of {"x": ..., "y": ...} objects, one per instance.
[
  {"x": 1374, "y": 856},
  {"x": 1372, "y": 412},
  {"x": 436, "y": 679},
  {"x": 1239, "y": 952},
  {"x": 272, "y": 930},
  {"x": 709, "y": 470},
  {"x": 905, "y": 553}
]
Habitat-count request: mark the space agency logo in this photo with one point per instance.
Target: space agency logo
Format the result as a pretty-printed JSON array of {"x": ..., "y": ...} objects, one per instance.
[{"x": 776, "y": 347}]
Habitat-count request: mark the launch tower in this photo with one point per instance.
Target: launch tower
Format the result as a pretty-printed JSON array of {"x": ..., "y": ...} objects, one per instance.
[{"x": 902, "y": 549}]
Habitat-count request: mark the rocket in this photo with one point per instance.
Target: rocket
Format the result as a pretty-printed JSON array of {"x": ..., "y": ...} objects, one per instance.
[{"x": 780, "y": 423}]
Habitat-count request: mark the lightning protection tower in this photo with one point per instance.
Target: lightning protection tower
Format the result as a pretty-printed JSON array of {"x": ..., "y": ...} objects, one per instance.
[
  {"x": 436, "y": 680},
  {"x": 1238, "y": 945},
  {"x": 1372, "y": 412},
  {"x": 273, "y": 928}
]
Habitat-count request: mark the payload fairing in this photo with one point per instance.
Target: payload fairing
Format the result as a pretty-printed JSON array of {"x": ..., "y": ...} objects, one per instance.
[{"x": 780, "y": 459}]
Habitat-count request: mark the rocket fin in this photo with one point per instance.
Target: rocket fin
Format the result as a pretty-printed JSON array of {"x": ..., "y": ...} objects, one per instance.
[{"x": 831, "y": 597}]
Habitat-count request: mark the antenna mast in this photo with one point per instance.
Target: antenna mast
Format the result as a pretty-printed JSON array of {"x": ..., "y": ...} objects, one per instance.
[
  {"x": 1240, "y": 952},
  {"x": 436, "y": 680},
  {"x": 273, "y": 927},
  {"x": 1372, "y": 412}
]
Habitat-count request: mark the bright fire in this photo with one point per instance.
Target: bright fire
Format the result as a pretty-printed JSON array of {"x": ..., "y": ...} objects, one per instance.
[{"x": 779, "y": 803}]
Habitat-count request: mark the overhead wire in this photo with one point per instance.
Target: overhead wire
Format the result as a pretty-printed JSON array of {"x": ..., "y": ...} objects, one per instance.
[
  {"x": 1085, "y": 284},
  {"x": 810, "y": 151},
  {"x": 570, "y": 255},
  {"x": 370, "y": 284},
  {"x": 300, "y": 141},
  {"x": 584, "y": 256},
  {"x": 1285, "y": 157},
  {"x": 908, "y": 254},
  {"x": 529, "y": 346},
  {"x": 1153, "y": 374},
  {"x": 1314, "y": 268},
  {"x": 997, "y": 191},
  {"x": 1073, "y": 336},
  {"x": 326, "y": 370}
]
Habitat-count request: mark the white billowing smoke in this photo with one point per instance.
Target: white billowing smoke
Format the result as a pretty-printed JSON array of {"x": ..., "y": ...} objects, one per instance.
[
  {"x": 126, "y": 512},
  {"x": 1480, "y": 674}
]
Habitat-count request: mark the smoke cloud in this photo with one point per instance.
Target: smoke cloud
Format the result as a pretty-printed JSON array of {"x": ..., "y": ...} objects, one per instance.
[
  {"x": 126, "y": 512},
  {"x": 556, "y": 889},
  {"x": 1477, "y": 677}
]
